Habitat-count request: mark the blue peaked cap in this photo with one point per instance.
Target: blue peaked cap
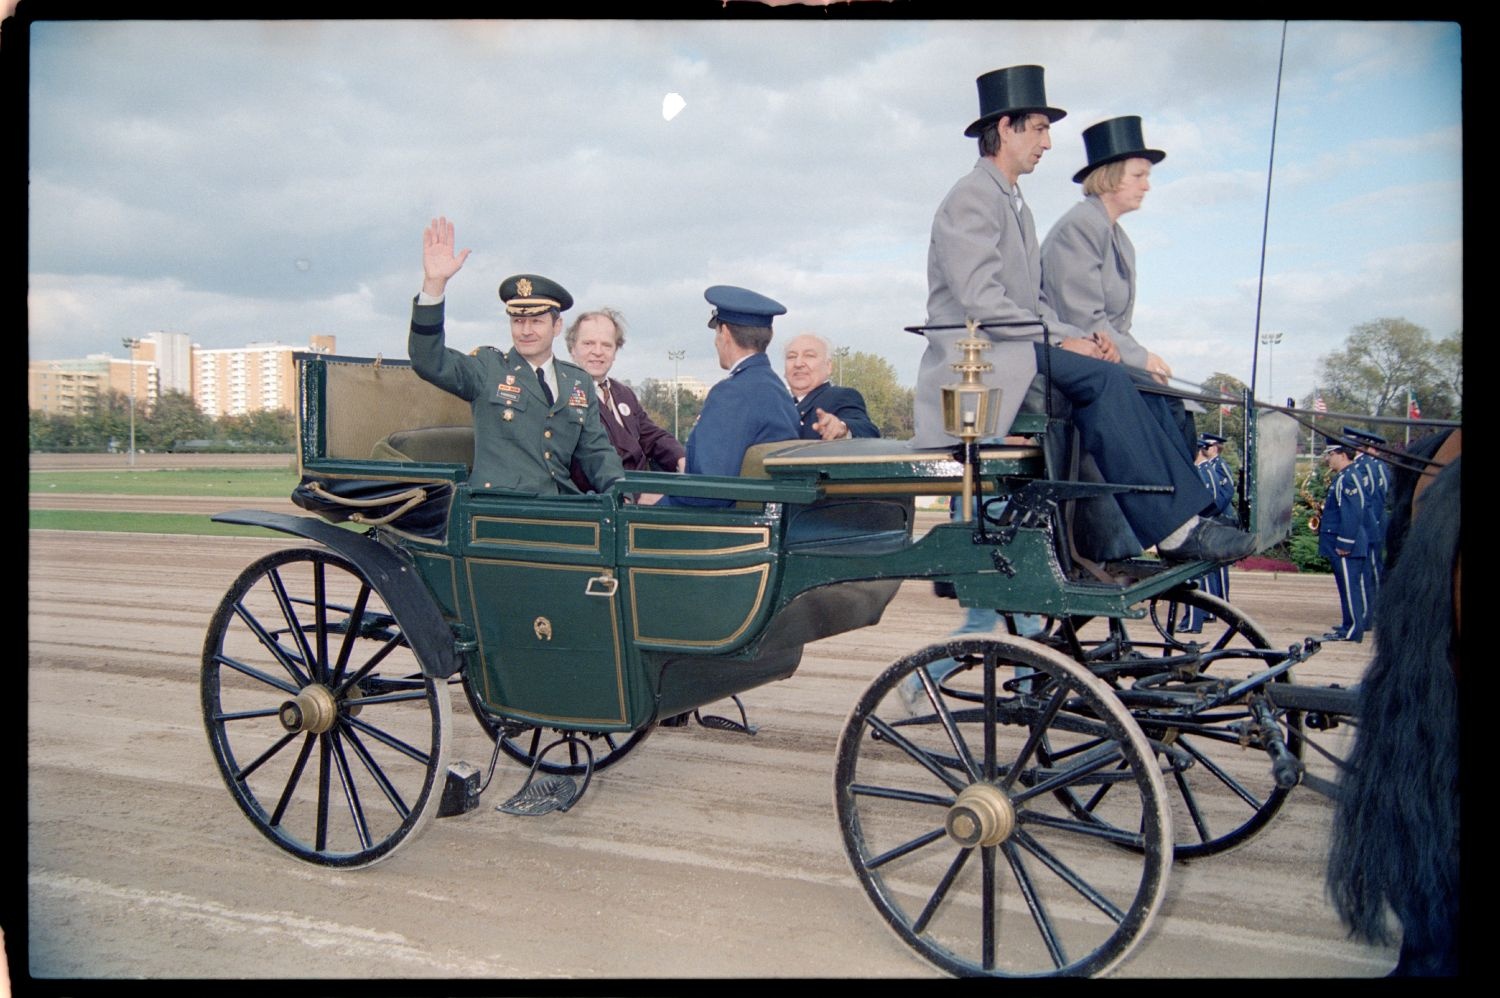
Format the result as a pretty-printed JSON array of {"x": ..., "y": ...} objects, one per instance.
[
  {"x": 741, "y": 306},
  {"x": 1363, "y": 436}
]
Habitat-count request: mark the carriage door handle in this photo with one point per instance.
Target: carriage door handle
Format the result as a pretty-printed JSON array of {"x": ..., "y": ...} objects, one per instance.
[{"x": 602, "y": 585}]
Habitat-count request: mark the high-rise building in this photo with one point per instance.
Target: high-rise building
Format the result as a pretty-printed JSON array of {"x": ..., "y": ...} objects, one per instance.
[
  {"x": 74, "y": 387},
  {"x": 173, "y": 355},
  {"x": 233, "y": 381}
]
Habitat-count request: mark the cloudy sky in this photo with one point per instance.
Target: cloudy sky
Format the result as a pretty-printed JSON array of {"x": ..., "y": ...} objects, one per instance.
[{"x": 250, "y": 181}]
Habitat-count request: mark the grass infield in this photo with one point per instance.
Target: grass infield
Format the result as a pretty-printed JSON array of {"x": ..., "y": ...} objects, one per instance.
[
  {"x": 239, "y": 482},
  {"x": 141, "y": 523}
]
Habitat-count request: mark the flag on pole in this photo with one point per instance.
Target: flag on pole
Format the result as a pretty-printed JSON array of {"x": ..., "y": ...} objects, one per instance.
[
  {"x": 1413, "y": 411},
  {"x": 1225, "y": 408},
  {"x": 1319, "y": 405}
]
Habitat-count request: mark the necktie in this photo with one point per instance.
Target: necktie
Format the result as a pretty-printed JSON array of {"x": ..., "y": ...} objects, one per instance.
[
  {"x": 541, "y": 379},
  {"x": 609, "y": 402}
]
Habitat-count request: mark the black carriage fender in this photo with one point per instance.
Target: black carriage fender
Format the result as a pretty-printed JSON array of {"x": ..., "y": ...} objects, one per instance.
[{"x": 404, "y": 591}]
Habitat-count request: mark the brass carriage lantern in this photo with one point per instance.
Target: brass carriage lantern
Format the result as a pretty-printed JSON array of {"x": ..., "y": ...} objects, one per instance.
[{"x": 971, "y": 409}]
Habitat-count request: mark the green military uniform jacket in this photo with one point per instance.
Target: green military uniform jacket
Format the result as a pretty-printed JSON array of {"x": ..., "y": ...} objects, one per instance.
[{"x": 521, "y": 444}]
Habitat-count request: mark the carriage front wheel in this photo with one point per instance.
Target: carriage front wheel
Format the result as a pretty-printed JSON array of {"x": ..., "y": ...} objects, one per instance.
[
  {"x": 947, "y": 799},
  {"x": 328, "y": 735}
]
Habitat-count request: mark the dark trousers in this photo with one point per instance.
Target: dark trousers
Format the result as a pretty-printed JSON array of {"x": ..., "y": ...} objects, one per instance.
[
  {"x": 1133, "y": 437},
  {"x": 1349, "y": 573}
]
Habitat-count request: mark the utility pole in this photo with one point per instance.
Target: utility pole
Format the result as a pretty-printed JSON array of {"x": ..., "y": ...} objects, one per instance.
[
  {"x": 130, "y": 343},
  {"x": 1270, "y": 340},
  {"x": 675, "y": 356},
  {"x": 839, "y": 354}
]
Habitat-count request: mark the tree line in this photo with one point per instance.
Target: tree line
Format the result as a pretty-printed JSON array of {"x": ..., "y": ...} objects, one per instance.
[
  {"x": 1380, "y": 363},
  {"x": 169, "y": 424},
  {"x": 888, "y": 402}
]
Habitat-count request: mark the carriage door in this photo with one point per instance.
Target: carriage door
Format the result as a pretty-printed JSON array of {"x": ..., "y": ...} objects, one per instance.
[{"x": 545, "y": 607}]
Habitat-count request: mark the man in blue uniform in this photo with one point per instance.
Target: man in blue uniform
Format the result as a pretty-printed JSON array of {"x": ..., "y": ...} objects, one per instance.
[
  {"x": 534, "y": 414},
  {"x": 1375, "y": 476},
  {"x": 827, "y": 411},
  {"x": 749, "y": 407},
  {"x": 1220, "y": 484},
  {"x": 1342, "y": 540}
]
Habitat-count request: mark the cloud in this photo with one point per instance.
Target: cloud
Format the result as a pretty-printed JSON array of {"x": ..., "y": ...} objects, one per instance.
[{"x": 252, "y": 180}]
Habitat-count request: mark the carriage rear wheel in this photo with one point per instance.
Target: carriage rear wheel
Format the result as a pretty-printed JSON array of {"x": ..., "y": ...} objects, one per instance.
[
  {"x": 328, "y": 735},
  {"x": 608, "y": 747},
  {"x": 1220, "y": 781},
  {"x": 950, "y": 817}
]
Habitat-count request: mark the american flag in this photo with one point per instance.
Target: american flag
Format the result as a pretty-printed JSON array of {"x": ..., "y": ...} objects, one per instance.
[{"x": 1319, "y": 405}]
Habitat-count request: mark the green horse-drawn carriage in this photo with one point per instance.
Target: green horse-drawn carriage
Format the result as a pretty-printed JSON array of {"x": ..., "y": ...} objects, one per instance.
[{"x": 1019, "y": 820}]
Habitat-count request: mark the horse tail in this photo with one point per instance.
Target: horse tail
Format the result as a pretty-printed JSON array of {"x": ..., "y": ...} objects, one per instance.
[{"x": 1396, "y": 825}]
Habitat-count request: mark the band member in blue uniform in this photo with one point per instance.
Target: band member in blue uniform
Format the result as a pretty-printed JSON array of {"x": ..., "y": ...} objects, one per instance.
[
  {"x": 827, "y": 411},
  {"x": 751, "y": 406},
  {"x": 1342, "y": 540},
  {"x": 1376, "y": 477},
  {"x": 1220, "y": 483},
  {"x": 534, "y": 414}
]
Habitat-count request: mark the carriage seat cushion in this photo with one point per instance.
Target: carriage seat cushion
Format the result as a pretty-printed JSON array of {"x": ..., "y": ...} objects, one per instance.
[{"x": 429, "y": 445}]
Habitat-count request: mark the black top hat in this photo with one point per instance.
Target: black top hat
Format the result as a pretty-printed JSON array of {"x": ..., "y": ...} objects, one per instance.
[
  {"x": 1011, "y": 91},
  {"x": 1117, "y": 138},
  {"x": 532, "y": 294}
]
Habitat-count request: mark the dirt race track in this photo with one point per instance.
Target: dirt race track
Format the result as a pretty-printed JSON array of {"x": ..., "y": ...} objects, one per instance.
[{"x": 704, "y": 854}]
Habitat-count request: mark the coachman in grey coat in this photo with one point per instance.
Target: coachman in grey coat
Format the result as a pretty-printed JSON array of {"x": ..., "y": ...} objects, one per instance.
[{"x": 984, "y": 264}]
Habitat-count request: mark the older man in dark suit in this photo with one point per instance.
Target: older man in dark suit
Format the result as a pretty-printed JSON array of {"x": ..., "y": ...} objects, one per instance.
[
  {"x": 594, "y": 340},
  {"x": 827, "y": 411}
]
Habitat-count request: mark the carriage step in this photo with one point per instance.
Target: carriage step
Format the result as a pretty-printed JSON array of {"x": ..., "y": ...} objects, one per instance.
[
  {"x": 461, "y": 791},
  {"x": 543, "y": 796},
  {"x": 726, "y": 724},
  {"x": 553, "y": 792}
]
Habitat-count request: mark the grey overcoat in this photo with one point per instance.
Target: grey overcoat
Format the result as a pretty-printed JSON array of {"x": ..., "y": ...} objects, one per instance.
[
  {"x": 983, "y": 263},
  {"x": 1088, "y": 275}
]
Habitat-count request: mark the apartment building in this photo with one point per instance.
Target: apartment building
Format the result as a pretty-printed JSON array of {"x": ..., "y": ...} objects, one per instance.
[
  {"x": 234, "y": 381},
  {"x": 231, "y": 381}
]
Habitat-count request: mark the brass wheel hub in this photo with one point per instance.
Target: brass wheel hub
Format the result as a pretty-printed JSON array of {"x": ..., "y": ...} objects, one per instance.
[
  {"x": 313, "y": 711},
  {"x": 981, "y": 816}
]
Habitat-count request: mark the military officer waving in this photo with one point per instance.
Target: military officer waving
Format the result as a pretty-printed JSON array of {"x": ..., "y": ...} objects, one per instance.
[{"x": 534, "y": 414}]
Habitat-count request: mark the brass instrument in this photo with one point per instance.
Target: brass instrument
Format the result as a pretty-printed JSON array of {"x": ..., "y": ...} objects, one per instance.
[{"x": 1316, "y": 520}]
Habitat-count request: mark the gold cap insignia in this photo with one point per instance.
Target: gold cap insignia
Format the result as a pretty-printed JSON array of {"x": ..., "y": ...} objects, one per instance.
[{"x": 523, "y": 288}]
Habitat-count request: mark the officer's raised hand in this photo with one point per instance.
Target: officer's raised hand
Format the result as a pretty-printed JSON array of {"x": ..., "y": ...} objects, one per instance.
[{"x": 438, "y": 260}]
